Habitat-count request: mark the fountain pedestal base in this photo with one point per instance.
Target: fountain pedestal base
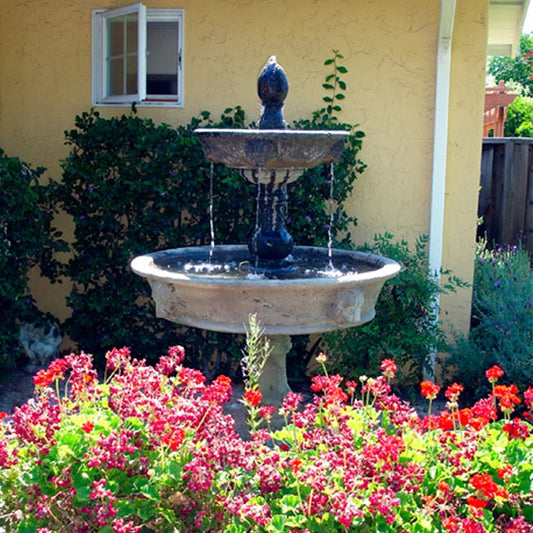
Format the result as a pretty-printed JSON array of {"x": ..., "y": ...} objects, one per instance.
[{"x": 273, "y": 381}]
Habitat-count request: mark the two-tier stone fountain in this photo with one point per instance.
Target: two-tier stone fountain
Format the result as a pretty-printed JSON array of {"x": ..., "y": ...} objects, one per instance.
[{"x": 293, "y": 290}]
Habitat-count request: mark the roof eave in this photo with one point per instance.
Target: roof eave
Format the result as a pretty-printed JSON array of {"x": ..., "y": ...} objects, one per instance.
[{"x": 506, "y": 19}]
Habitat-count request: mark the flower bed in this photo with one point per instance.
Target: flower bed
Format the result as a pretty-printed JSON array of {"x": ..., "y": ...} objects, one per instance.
[{"x": 150, "y": 449}]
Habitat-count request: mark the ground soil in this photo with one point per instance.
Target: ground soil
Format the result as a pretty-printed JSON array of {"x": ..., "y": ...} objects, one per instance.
[{"x": 16, "y": 387}]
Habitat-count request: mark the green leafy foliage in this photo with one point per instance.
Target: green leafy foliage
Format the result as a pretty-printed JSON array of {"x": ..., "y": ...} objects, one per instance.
[
  {"x": 405, "y": 328},
  {"x": 133, "y": 187},
  {"x": 519, "y": 122},
  {"x": 502, "y": 320},
  {"x": 27, "y": 238}
]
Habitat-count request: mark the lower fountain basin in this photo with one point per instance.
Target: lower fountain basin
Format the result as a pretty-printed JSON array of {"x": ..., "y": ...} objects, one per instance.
[{"x": 217, "y": 289}]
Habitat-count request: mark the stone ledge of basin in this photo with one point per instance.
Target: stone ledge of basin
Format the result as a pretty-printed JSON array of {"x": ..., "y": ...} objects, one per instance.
[
  {"x": 145, "y": 266},
  {"x": 261, "y": 134},
  {"x": 266, "y": 328}
]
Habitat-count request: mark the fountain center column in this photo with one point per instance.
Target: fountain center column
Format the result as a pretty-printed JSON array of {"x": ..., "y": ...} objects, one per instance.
[
  {"x": 273, "y": 380},
  {"x": 270, "y": 240}
]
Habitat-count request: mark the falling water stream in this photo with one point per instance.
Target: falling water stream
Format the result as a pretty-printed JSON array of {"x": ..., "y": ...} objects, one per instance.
[
  {"x": 257, "y": 205},
  {"x": 331, "y": 214},
  {"x": 257, "y": 202},
  {"x": 211, "y": 218}
]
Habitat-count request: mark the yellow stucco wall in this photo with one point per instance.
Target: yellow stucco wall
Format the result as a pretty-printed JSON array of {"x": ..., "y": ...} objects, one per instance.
[{"x": 389, "y": 49}]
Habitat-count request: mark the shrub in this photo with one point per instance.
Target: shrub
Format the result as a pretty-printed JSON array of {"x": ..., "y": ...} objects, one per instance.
[
  {"x": 406, "y": 327},
  {"x": 26, "y": 239},
  {"x": 502, "y": 320},
  {"x": 133, "y": 187},
  {"x": 519, "y": 122}
]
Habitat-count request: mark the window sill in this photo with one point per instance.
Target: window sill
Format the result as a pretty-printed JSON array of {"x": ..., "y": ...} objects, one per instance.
[{"x": 158, "y": 103}]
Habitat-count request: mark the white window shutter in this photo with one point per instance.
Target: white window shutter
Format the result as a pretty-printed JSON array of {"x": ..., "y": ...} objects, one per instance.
[
  {"x": 100, "y": 49},
  {"x": 141, "y": 57}
]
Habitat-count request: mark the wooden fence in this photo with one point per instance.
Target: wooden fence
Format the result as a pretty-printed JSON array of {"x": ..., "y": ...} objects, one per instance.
[{"x": 506, "y": 193}]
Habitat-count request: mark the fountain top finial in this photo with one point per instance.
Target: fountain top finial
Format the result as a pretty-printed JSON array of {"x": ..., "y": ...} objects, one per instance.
[{"x": 272, "y": 88}]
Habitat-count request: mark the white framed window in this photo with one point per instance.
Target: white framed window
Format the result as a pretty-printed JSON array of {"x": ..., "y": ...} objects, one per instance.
[{"x": 137, "y": 56}]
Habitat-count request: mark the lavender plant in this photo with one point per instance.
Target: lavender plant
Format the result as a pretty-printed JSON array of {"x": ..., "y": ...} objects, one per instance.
[{"x": 502, "y": 319}]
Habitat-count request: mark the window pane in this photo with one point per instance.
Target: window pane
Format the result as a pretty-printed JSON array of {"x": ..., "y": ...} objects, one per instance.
[
  {"x": 162, "y": 58},
  {"x": 122, "y": 51},
  {"x": 132, "y": 34},
  {"x": 115, "y": 77},
  {"x": 131, "y": 79},
  {"x": 116, "y": 37}
]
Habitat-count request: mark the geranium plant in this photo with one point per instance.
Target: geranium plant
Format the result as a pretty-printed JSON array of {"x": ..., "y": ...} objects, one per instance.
[{"x": 149, "y": 449}]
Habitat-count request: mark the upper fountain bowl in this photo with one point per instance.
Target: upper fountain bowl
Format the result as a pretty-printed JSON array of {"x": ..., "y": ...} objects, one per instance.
[{"x": 271, "y": 149}]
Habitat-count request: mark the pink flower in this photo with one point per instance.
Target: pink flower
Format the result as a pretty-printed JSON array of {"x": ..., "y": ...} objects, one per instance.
[
  {"x": 266, "y": 411},
  {"x": 119, "y": 525},
  {"x": 388, "y": 367},
  {"x": 291, "y": 402},
  {"x": 117, "y": 358},
  {"x": 517, "y": 429},
  {"x": 177, "y": 353}
]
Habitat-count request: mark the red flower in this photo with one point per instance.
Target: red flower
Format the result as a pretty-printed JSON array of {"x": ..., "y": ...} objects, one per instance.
[
  {"x": 464, "y": 416},
  {"x": 453, "y": 392},
  {"x": 476, "y": 502},
  {"x": 506, "y": 472},
  {"x": 443, "y": 486},
  {"x": 486, "y": 487},
  {"x": 253, "y": 397},
  {"x": 494, "y": 373},
  {"x": 219, "y": 391},
  {"x": 429, "y": 390},
  {"x": 46, "y": 377},
  {"x": 173, "y": 438},
  {"x": 295, "y": 464},
  {"x": 87, "y": 426},
  {"x": 445, "y": 421},
  {"x": 42, "y": 378},
  {"x": 507, "y": 394}
]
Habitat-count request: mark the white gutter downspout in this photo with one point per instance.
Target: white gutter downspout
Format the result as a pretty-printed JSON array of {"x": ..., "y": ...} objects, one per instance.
[{"x": 440, "y": 152}]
